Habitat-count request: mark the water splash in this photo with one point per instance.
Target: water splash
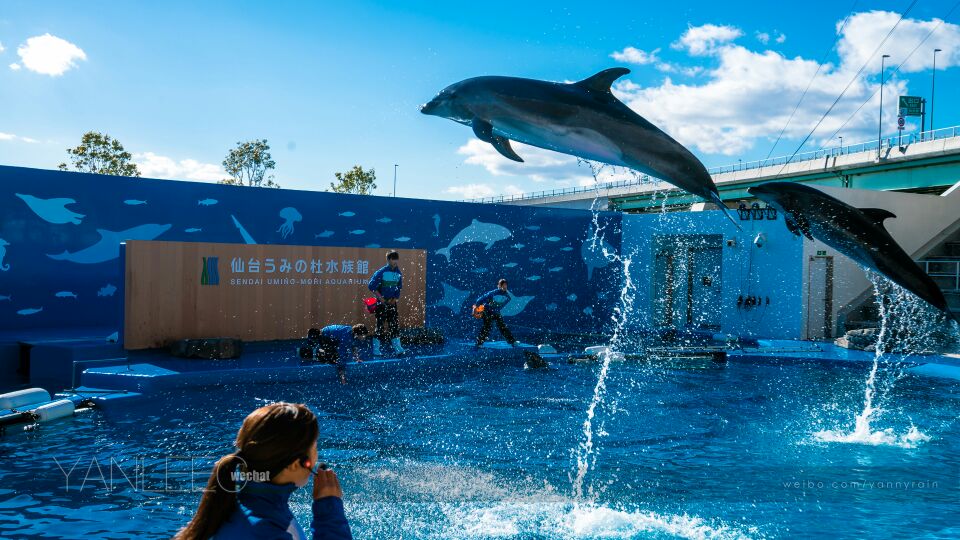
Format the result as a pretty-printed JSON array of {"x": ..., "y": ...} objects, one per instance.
[
  {"x": 587, "y": 451},
  {"x": 906, "y": 328}
]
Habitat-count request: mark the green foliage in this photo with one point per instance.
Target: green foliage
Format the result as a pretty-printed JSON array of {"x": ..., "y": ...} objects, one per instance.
[
  {"x": 99, "y": 153},
  {"x": 248, "y": 163},
  {"x": 356, "y": 180}
]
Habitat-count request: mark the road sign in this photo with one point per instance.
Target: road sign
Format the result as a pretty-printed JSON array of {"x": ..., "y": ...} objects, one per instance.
[
  {"x": 911, "y": 105},
  {"x": 900, "y": 122}
]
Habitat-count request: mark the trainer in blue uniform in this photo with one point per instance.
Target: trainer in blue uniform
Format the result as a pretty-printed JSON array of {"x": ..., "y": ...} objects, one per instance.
[
  {"x": 386, "y": 284},
  {"x": 492, "y": 303},
  {"x": 247, "y": 495},
  {"x": 339, "y": 342}
]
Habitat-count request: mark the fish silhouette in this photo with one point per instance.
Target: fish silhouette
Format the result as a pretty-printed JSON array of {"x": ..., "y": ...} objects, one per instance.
[
  {"x": 66, "y": 294},
  {"x": 30, "y": 311},
  {"x": 402, "y": 239},
  {"x": 108, "y": 248},
  {"x": 347, "y": 214},
  {"x": 192, "y": 230},
  {"x": 52, "y": 210},
  {"x": 384, "y": 220},
  {"x": 207, "y": 202},
  {"x": 107, "y": 290},
  {"x": 552, "y": 239},
  {"x": 516, "y": 305},
  {"x": 324, "y": 234},
  {"x": 357, "y": 231},
  {"x": 134, "y": 202}
]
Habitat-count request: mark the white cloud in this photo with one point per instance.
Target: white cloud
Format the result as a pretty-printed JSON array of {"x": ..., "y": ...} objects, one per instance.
[
  {"x": 155, "y": 166},
  {"x": 49, "y": 55},
  {"x": 763, "y": 37},
  {"x": 704, "y": 40},
  {"x": 12, "y": 137},
  {"x": 633, "y": 55},
  {"x": 472, "y": 191},
  {"x": 15, "y": 66},
  {"x": 1, "y": 48},
  {"x": 781, "y": 38},
  {"x": 689, "y": 71},
  {"x": 864, "y": 32}
]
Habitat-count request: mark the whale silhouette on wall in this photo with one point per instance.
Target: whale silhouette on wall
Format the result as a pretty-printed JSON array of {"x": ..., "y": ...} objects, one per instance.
[
  {"x": 453, "y": 298},
  {"x": 108, "y": 248},
  {"x": 592, "y": 252},
  {"x": 582, "y": 119},
  {"x": 477, "y": 231},
  {"x": 52, "y": 210}
]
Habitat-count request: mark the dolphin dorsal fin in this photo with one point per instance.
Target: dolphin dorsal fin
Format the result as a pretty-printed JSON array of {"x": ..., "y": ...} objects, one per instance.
[
  {"x": 877, "y": 215},
  {"x": 602, "y": 81}
]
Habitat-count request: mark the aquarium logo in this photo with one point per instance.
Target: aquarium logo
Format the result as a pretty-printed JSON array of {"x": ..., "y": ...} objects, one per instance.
[{"x": 210, "y": 275}]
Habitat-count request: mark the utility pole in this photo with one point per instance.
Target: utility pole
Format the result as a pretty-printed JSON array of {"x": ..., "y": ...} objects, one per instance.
[
  {"x": 880, "y": 122},
  {"x": 933, "y": 86},
  {"x": 395, "y": 179}
]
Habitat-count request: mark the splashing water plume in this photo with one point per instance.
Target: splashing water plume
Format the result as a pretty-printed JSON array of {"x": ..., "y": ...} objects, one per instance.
[
  {"x": 586, "y": 452},
  {"x": 906, "y": 328}
]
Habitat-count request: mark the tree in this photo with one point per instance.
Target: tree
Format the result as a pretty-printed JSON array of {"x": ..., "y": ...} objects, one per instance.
[
  {"x": 248, "y": 163},
  {"x": 100, "y": 153},
  {"x": 356, "y": 180}
]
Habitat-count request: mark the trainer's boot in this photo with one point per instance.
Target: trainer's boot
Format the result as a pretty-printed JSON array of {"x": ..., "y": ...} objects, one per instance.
[
  {"x": 376, "y": 347},
  {"x": 395, "y": 342}
]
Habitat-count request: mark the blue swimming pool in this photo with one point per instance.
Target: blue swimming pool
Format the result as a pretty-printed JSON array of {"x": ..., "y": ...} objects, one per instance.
[{"x": 709, "y": 451}]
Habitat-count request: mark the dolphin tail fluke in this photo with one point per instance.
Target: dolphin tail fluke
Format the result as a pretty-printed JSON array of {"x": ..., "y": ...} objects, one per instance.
[{"x": 445, "y": 252}]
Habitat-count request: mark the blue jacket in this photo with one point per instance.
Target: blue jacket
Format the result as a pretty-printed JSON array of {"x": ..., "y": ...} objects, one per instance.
[
  {"x": 387, "y": 281},
  {"x": 264, "y": 514},
  {"x": 343, "y": 335},
  {"x": 494, "y": 300}
]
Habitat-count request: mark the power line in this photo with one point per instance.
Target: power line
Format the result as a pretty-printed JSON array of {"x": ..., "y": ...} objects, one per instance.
[
  {"x": 809, "y": 84},
  {"x": 895, "y": 71},
  {"x": 849, "y": 84}
]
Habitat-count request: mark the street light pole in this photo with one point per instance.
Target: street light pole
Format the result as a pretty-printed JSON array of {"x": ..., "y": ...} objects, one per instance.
[
  {"x": 933, "y": 87},
  {"x": 841, "y": 145},
  {"x": 880, "y": 122},
  {"x": 395, "y": 179}
]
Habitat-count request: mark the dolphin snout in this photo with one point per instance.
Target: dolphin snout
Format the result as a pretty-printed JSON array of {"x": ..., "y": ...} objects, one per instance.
[{"x": 430, "y": 107}]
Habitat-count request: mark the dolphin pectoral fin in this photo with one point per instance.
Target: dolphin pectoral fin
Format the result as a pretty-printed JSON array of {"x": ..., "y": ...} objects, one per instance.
[
  {"x": 602, "y": 81},
  {"x": 484, "y": 131},
  {"x": 804, "y": 225},
  {"x": 792, "y": 227},
  {"x": 877, "y": 215},
  {"x": 503, "y": 146}
]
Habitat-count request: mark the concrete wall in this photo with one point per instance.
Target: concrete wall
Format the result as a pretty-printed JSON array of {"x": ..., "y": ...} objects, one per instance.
[{"x": 774, "y": 270}]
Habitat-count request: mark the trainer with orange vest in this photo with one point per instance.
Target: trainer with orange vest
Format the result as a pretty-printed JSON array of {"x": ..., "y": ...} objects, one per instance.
[{"x": 489, "y": 306}]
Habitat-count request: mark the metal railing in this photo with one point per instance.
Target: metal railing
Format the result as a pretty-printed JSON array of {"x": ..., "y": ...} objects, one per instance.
[
  {"x": 886, "y": 142},
  {"x": 945, "y": 268}
]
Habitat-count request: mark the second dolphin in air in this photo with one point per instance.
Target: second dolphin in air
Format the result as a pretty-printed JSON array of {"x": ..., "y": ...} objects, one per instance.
[
  {"x": 858, "y": 233},
  {"x": 583, "y": 119}
]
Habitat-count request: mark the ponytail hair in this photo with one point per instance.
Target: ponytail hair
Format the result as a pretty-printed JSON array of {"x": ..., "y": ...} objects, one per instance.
[{"x": 271, "y": 438}]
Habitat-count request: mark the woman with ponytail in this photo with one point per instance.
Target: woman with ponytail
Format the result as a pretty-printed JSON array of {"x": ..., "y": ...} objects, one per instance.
[{"x": 248, "y": 491}]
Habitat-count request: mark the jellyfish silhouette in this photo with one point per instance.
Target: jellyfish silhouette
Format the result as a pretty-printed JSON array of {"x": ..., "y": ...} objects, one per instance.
[{"x": 291, "y": 216}]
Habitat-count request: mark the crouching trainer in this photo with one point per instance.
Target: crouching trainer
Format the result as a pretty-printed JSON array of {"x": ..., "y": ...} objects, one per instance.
[
  {"x": 386, "y": 284},
  {"x": 338, "y": 342},
  {"x": 491, "y": 304}
]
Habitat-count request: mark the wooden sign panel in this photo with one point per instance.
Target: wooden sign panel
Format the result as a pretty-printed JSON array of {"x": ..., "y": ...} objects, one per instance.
[{"x": 181, "y": 290}]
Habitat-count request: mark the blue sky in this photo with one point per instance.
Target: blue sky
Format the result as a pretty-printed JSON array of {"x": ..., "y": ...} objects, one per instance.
[{"x": 331, "y": 86}]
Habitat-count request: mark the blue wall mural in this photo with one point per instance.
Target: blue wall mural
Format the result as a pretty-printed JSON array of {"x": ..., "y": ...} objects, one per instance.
[
  {"x": 764, "y": 260},
  {"x": 60, "y": 234}
]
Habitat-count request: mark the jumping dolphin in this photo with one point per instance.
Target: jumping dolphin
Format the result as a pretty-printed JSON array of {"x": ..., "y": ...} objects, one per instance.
[
  {"x": 582, "y": 119},
  {"x": 858, "y": 233}
]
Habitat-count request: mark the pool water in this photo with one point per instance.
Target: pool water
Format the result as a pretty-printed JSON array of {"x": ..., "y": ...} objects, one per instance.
[{"x": 714, "y": 452}]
